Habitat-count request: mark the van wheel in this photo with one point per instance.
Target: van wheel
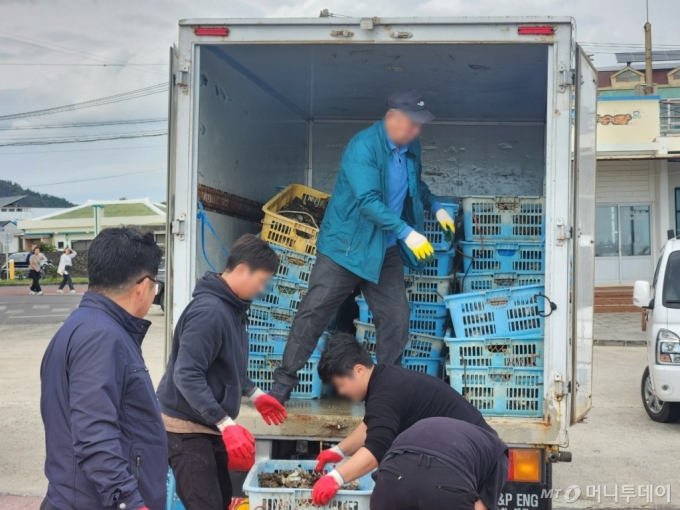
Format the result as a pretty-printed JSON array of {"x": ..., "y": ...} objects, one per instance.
[{"x": 658, "y": 410}]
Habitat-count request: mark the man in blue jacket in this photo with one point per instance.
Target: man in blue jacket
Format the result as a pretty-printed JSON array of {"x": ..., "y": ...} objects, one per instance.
[
  {"x": 369, "y": 231},
  {"x": 105, "y": 441},
  {"x": 207, "y": 375}
]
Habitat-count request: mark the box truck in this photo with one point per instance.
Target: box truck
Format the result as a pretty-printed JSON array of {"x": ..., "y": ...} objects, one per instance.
[{"x": 257, "y": 104}]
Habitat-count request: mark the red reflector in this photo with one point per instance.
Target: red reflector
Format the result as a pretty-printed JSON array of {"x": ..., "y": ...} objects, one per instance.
[
  {"x": 536, "y": 30},
  {"x": 216, "y": 31}
]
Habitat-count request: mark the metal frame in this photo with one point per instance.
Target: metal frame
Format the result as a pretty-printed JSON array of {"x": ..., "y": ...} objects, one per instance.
[{"x": 552, "y": 429}]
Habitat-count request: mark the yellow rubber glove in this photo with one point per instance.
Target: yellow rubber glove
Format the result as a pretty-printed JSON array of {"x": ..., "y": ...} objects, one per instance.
[
  {"x": 447, "y": 223},
  {"x": 420, "y": 246}
]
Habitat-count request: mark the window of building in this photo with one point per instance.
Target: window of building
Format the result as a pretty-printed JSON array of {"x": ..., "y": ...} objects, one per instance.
[
  {"x": 627, "y": 77},
  {"x": 60, "y": 245},
  {"x": 81, "y": 245}
]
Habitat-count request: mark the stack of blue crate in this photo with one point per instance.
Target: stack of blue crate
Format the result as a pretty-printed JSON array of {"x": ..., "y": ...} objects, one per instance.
[
  {"x": 425, "y": 290},
  {"x": 496, "y": 355},
  {"x": 270, "y": 317}
]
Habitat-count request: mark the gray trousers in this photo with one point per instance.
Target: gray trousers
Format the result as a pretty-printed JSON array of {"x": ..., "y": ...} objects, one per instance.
[{"x": 329, "y": 286}]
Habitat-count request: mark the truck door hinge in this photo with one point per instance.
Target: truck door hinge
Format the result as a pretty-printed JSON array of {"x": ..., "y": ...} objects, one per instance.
[
  {"x": 342, "y": 33},
  {"x": 564, "y": 231},
  {"x": 567, "y": 77},
  {"x": 182, "y": 78},
  {"x": 177, "y": 227},
  {"x": 562, "y": 388},
  {"x": 401, "y": 35}
]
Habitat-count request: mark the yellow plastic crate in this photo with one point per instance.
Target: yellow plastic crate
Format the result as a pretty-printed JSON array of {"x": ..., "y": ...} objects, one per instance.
[{"x": 282, "y": 231}]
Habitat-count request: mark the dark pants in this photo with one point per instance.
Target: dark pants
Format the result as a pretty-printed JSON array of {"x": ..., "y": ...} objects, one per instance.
[
  {"x": 35, "y": 276},
  {"x": 199, "y": 463},
  {"x": 413, "y": 481},
  {"x": 329, "y": 286},
  {"x": 66, "y": 280},
  {"x": 46, "y": 505}
]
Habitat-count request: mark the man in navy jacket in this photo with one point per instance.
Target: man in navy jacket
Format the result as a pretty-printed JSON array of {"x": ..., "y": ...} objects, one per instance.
[{"x": 105, "y": 440}]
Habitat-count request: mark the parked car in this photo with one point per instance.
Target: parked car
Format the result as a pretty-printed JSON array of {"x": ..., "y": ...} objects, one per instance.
[
  {"x": 20, "y": 264},
  {"x": 160, "y": 297},
  {"x": 660, "y": 385}
]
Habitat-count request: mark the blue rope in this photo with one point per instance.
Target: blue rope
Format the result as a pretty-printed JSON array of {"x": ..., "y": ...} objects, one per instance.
[{"x": 205, "y": 222}]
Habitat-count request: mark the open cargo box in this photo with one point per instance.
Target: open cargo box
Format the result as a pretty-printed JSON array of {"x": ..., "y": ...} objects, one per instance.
[{"x": 275, "y": 102}]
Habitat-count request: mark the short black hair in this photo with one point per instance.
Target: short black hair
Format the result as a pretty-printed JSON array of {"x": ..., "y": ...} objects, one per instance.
[
  {"x": 342, "y": 353},
  {"x": 254, "y": 252},
  {"x": 118, "y": 257}
]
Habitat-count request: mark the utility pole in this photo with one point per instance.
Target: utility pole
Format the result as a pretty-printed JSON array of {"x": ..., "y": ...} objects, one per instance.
[{"x": 649, "y": 76}]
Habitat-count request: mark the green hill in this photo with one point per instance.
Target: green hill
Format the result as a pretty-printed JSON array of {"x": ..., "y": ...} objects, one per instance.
[{"x": 33, "y": 199}]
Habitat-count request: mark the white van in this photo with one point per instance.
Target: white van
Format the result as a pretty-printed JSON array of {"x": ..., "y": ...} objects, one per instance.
[{"x": 661, "y": 379}]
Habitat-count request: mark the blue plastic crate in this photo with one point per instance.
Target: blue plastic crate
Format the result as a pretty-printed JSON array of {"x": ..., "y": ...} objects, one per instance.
[
  {"x": 431, "y": 367},
  {"x": 283, "y": 293},
  {"x": 172, "y": 501},
  {"x": 419, "y": 345},
  {"x": 500, "y": 391},
  {"x": 273, "y": 341},
  {"x": 269, "y": 316},
  {"x": 294, "y": 499},
  {"x": 293, "y": 265},
  {"x": 441, "y": 265},
  {"x": 475, "y": 282},
  {"x": 427, "y": 289},
  {"x": 494, "y": 218},
  {"x": 261, "y": 371},
  {"x": 429, "y": 318},
  {"x": 433, "y": 230},
  {"x": 515, "y": 351},
  {"x": 500, "y": 312},
  {"x": 505, "y": 256}
]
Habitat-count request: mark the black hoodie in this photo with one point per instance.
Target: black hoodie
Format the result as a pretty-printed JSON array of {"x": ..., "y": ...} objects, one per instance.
[{"x": 207, "y": 373}]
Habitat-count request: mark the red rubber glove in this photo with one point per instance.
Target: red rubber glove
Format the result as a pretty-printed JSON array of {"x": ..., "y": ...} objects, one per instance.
[
  {"x": 239, "y": 442},
  {"x": 326, "y": 488},
  {"x": 329, "y": 456},
  {"x": 273, "y": 413},
  {"x": 144, "y": 508}
]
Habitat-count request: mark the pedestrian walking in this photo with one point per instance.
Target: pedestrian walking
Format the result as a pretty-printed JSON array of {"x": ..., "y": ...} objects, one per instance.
[
  {"x": 64, "y": 269},
  {"x": 106, "y": 447},
  {"x": 34, "y": 272}
]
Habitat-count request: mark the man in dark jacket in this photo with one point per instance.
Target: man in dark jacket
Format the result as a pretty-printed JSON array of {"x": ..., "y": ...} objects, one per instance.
[
  {"x": 106, "y": 447},
  {"x": 441, "y": 463},
  {"x": 200, "y": 393},
  {"x": 371, "y": 228}
]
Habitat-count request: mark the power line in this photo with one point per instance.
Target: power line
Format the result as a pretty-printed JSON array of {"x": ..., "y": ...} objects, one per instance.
[
  {"x": 133, "y": 94},
  {"x": 86, "y": 150},
  {"x": 93, "y": 138},
  {"x": 94, "y": 178},
  {"x": 85, "y": 124},
  {"x": 63, "y": 49}
]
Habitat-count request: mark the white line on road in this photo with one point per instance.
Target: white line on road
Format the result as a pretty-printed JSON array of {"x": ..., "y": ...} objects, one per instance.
[
  {"x": 14, "y": 311},
  {"x": 35, "y": 316},
  {"x": 41, "y": 306},
  {"x": 3, "y": 308},
  {"x": 67, "y": 310}
]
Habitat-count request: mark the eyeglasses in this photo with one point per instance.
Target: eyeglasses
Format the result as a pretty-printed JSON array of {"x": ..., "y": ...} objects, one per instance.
[{"x": 158, "y": 284}]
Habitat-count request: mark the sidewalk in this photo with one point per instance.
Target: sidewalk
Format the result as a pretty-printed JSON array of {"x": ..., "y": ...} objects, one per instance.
[
  {"x": 622, "y": 329},
  {"x": 21, "y": 290}
]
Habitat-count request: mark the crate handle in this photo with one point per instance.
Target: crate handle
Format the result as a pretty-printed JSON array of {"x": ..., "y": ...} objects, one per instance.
[{"x": 506, "y": 249}]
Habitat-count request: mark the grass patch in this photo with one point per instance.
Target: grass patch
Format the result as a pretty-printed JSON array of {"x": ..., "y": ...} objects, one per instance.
[{"x": 46, "y": 281}]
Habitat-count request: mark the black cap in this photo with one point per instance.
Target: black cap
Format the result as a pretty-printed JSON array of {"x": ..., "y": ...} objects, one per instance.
[{"x": 410, "y": 102}]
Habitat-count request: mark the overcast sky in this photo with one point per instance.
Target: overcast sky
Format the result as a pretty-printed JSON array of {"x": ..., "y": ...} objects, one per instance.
[{"x": 52, "y": 35}]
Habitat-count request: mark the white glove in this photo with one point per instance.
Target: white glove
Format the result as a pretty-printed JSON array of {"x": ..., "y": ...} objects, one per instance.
[
  {"x": 420, "y": 246},
  {"x": 447, "y": 224}
]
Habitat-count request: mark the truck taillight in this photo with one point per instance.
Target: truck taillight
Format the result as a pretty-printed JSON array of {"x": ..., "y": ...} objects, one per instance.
[
  {"x": 214, "y": 31},
  {"x": 524, "y": 465},
  {"x": 536, "y": 30}
]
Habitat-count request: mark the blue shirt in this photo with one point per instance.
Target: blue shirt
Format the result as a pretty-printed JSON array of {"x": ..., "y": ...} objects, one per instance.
[{"x": 397, "y": 187}]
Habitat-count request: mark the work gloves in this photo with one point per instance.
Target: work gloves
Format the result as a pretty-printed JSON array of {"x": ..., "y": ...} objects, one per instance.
[
  {"x": 239, "y": 442},
  {"x": 273, "y": 413},
  {"x": 420, "y": 246},
  {"x": 326, "y": 488},
  {"x": 447, "y": 224},
  {"x": 329, "y": 456}
]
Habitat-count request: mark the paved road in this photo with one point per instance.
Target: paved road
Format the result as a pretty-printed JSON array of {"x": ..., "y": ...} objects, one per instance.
[{"x": 46, "y": 309}]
